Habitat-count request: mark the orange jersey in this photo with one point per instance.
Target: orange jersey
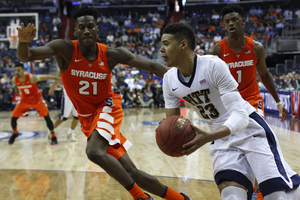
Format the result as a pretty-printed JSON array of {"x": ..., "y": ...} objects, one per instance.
[
  {"x": 242, "y": 66},
  {"x": 30, "y": 92},
  {"x": 87, "y": 83}
]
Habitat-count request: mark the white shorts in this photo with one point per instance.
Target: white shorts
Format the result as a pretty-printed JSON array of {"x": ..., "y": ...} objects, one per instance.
[
  {"x": 67, "y": 108},
  {"x": 253, "y": 153}
]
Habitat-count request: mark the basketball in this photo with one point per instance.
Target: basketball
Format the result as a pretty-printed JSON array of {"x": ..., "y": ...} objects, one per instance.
[{"x": 172, "y": 133}]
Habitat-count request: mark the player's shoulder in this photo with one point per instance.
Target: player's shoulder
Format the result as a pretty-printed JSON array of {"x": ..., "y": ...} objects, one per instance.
[
  {"x": 172, "y": 70},
  {"x": 209, "y": 58}
]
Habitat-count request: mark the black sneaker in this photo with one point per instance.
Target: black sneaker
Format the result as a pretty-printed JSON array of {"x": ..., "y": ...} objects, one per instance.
[
  {"x": 12, "y": 138},
  {"x": 149, "y": 198},
  {"x": 53, "y": 141},
  {"x": 185, "y": 196}
]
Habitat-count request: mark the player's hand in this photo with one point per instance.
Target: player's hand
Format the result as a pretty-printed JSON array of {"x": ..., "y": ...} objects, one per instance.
[
  {"x": 199, "y": 140},
  {"x": 282, "y": 111},
  {"x": 26, "y": 34}
]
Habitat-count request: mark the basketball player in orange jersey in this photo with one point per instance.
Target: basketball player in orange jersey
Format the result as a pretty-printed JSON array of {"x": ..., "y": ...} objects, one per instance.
[
  {"x": 85, "y": 67},
  {"x": 31, "y": 97},
  {"x": 244, "y": 57}
]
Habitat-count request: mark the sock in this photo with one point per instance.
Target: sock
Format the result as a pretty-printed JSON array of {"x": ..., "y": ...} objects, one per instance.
[
  {"x": 136, "y": 192},
  {"x": 15, "y": 131},
  {"x": 70, "y": 131},
  {"x": 171, "y": 194},
  {"x": 53, "y": 134}
]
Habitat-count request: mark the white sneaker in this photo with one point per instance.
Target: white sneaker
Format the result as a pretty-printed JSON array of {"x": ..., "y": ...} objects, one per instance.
[{"x": 71, "y": 137}]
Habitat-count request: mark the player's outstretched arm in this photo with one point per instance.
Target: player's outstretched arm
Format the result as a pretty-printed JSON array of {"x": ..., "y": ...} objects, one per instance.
[
  {"x": 267, "y": 79},
  {"x": 25, "y": 54},
  {"x": 44, "y": 77},
  {"x": 122, "y": 55},
  {"x": 215, "y": 50}
]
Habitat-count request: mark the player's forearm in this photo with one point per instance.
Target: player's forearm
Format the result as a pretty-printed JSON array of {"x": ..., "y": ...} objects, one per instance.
[
  {"x": 268, "y": 82},
  {"x": 221, "y": 132},
  {"x": 55, "y": 83},
  {"x": 23, "y": 51},
  {"x": 46, "y": 77}
]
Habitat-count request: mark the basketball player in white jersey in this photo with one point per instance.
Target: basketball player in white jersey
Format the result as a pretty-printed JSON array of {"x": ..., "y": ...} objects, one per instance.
[
  {"x": 235, "y": 127},
  {"x": 66, "y": 110}
]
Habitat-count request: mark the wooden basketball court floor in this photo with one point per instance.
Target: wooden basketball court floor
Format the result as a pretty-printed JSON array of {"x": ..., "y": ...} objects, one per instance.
[{"x": 32, "y": 169}]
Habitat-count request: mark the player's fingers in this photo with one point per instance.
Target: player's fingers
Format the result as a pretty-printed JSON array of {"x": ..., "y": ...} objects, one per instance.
[
  {"x": 190, "y": 150},
  {"x": 188, "y": 144},
  {"x": 28, "y": 25},
  {"x": 196, "y": 128},
  {"x": 284, "y": 115}
]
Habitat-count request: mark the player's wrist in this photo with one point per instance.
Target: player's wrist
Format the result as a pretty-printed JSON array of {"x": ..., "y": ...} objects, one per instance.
[{"x": 278, "y": 103}]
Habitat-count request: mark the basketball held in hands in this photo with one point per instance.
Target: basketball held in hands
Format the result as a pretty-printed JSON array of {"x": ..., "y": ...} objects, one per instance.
[{"x": 172, "y": 133}]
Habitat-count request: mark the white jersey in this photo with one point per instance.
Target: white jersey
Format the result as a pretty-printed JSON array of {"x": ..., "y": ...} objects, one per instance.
[
  {"x": 210, "y": 79},
  {"x": 234, "y": 157}
]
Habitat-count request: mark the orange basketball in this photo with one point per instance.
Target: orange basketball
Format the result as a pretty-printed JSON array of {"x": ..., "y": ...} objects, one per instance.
[{"x": 172, "y": 133}]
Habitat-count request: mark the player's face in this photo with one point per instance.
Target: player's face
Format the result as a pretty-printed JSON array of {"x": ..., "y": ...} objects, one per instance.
[
  {"x": 86, "y": 30},
  {"x": 170, "y": 50},
  {"x": 19, "y": 72},
  {"x": 234, "y": 23}
]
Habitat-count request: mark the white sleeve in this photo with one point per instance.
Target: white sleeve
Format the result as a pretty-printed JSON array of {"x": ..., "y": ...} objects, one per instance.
[
  {"x": 239, "y": 118},
  {"x": 171, "y": 101},
  {"x": 221, "y": 77}
]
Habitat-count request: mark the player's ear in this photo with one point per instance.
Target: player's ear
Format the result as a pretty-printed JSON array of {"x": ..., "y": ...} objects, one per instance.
[
  {"x": 184, "y": 44},
  {"x": 244, "y": 21}
]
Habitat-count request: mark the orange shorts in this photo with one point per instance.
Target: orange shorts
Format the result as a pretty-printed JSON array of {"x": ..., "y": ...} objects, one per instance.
[
  {"x": 107, "y": 120},
  {"x": 258, "y": 103},
  {"x": 22, "y": 108}
]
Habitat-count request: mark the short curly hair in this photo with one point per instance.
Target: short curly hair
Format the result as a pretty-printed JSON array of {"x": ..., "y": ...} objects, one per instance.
[
  {"x": 232, "y": 8},
  {"x": 180, "y": 32},
  {"x": 85, "y": 10}
]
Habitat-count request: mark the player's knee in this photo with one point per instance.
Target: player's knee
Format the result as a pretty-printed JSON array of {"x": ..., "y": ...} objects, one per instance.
[
  {"x": 233, "y": 193},
  {"x": 95, "y": 155}
]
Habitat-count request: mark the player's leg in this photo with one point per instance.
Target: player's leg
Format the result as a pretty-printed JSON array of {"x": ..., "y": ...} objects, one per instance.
[
  {"x": 42, "y": 109},
  {"x": 51, "y": 129},
  {"x": 148, "y": 182},
  {"x": 284, "y": 195},
  {"x": 274, "y": 174},
  {"x": 230, "y": 190},
  {"x": 15, "y": 131},
  {"x": 71, "y": 132},
  {"x": 96, "y": 152},
  {"x": 21, "y": 109}
]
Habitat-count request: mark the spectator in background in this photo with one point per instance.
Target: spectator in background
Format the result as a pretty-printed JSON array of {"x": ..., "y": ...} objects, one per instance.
[
  {"x": 278, "y": 9},
  {"x": 141, "y": 81},
  {"x": 217, "y": 38},
  {"x": 253, "y": 11},
  {"x": 288, "y": 14},
  {"x": 150, "y": 79},
  {"x": 297, "y": 13},
  {"x": 260, "y": 12},
  {"x": 110, "y": 37},
  {"x": 147, "y": 97}
]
